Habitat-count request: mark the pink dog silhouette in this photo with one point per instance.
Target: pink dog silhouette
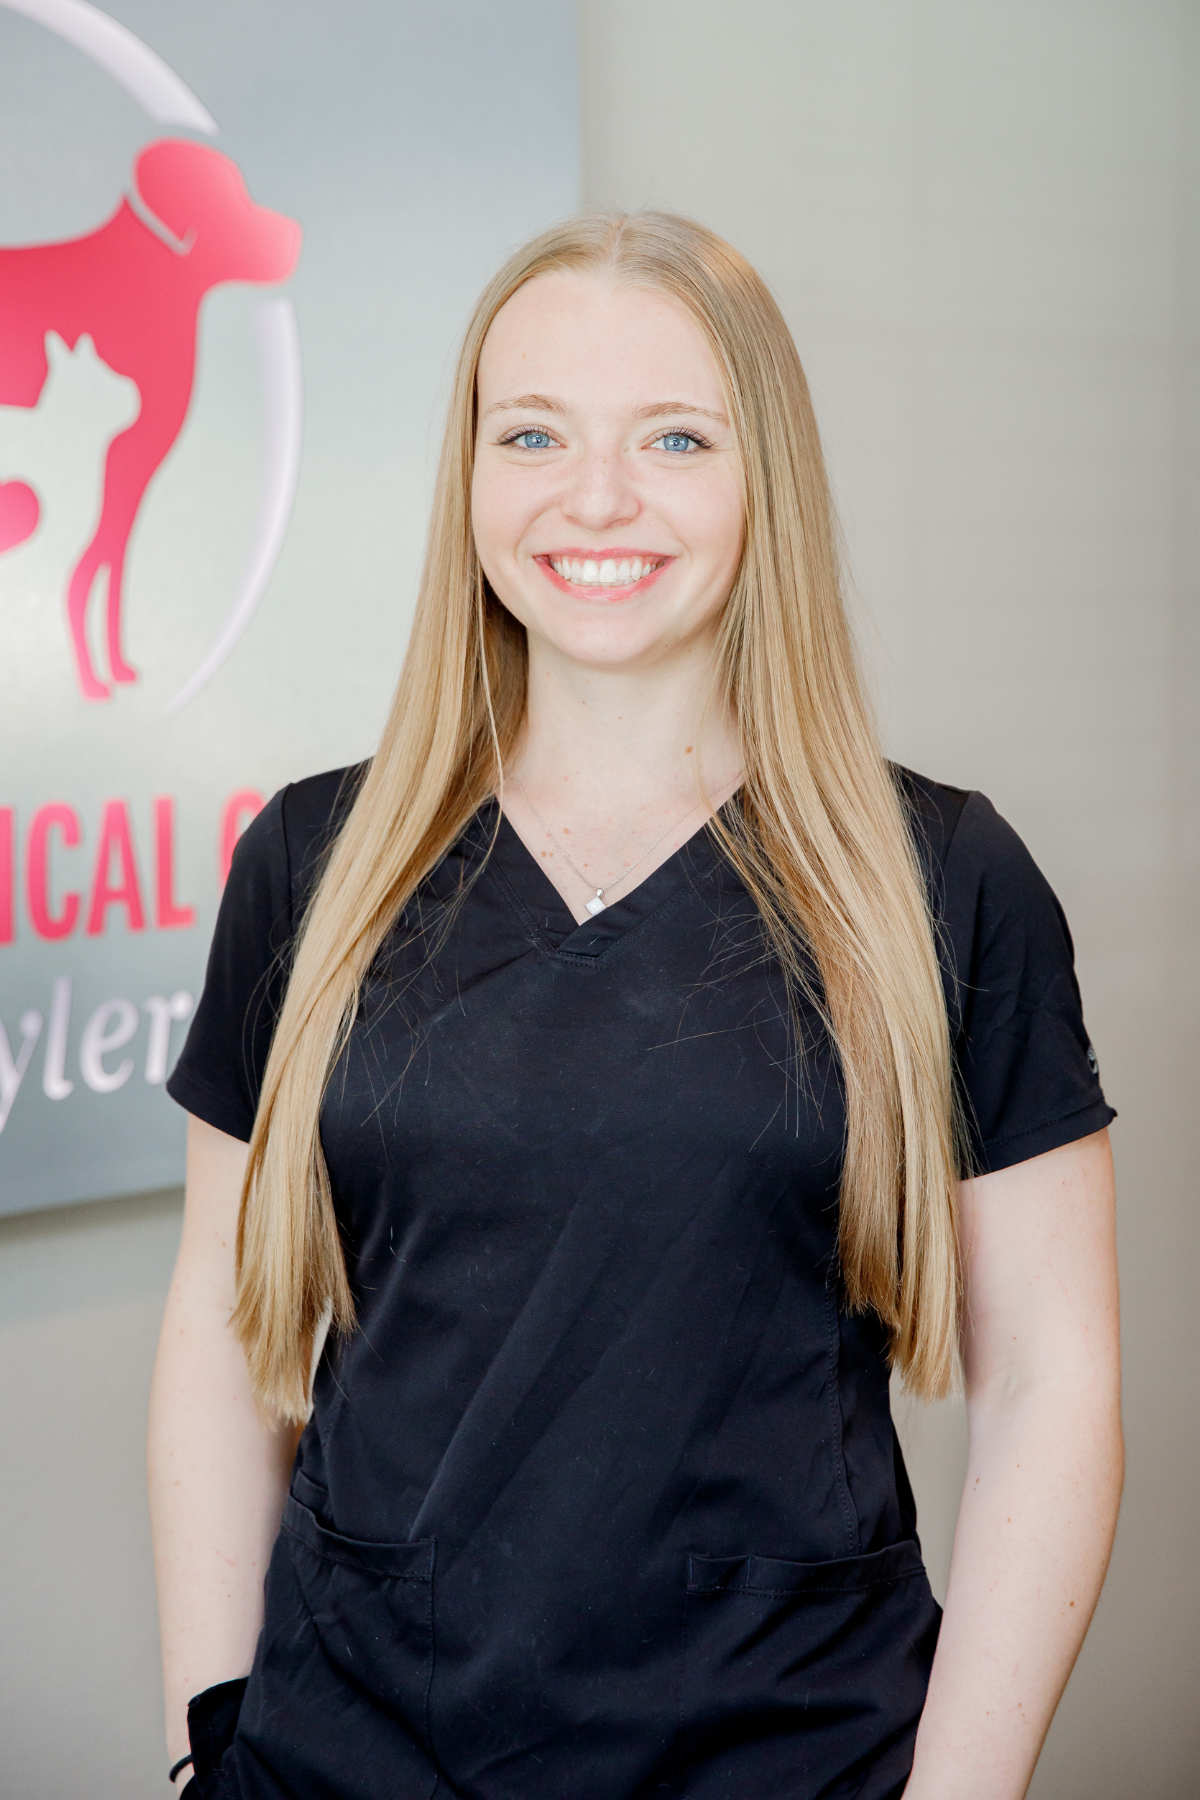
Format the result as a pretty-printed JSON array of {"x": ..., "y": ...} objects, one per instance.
[{"x": 139, "y": 297}]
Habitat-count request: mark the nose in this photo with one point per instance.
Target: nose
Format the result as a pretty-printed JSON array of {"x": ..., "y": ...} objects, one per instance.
[
  {"x": 600, "y": 493},
  {"x": 271, "y": 244}
]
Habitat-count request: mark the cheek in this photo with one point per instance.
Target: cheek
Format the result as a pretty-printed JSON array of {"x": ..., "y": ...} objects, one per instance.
[
  {"x": 715, "y": 525},
  {"x": 503, "y": 507},
  {"x": 487, "y": 512},
  {"x": 499, "y": 519}
]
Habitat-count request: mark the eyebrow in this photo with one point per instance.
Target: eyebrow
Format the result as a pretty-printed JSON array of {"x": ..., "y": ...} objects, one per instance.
[
  {"x": 547, "y": 403},
  {"x": 528, "y": 403},
  {"x": 678, "y": 406}
]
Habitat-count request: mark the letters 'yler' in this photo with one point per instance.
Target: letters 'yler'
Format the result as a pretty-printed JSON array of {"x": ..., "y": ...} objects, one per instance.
[{"x": 137, "y": 292}]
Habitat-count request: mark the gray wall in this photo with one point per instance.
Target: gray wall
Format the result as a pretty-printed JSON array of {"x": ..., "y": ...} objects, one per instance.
[
  {"x": 980, "y": 218},
  {"x": 81, "y": 1297}
]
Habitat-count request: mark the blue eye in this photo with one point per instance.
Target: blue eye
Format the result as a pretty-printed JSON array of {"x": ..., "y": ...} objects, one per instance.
[
  {"x": 678, "y": 442},
  {"x": 532, "y": 440}
]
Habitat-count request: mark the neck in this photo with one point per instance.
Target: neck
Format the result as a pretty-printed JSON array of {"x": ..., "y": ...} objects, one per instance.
[{"x": 603, "y": 741}]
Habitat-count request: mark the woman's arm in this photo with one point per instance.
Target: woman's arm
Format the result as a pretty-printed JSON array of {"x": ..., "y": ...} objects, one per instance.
[
  {"x": 1039, "y": 1506},
  {"x": 218, "y": 1476}
]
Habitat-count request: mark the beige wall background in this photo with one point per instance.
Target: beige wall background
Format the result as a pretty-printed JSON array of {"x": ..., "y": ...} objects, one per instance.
[{"x": 980, "y": 217}]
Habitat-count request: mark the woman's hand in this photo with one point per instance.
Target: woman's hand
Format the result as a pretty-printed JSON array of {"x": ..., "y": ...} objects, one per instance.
[{"x": 1039, "y": 1507}]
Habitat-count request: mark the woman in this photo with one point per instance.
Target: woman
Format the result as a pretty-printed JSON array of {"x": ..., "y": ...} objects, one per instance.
[{"x": 611, "y": 1052}]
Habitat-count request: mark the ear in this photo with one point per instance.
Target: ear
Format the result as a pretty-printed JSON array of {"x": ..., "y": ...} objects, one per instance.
[
  {"x": 56, "y": 351},
  {"x": 181, "y": 183}
]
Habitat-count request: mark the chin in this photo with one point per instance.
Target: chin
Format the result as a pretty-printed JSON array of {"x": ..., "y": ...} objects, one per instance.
[{"x": 604, "y": 647}]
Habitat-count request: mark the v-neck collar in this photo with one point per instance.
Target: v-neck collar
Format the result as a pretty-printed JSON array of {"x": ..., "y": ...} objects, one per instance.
[{"x": 548, "y": 912}]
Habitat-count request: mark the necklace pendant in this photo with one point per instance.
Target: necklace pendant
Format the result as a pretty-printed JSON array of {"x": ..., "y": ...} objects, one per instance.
[{"x": 597, "y": 905}]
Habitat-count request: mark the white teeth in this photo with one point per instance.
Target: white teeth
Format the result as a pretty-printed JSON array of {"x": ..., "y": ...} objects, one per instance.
[{"x": 606, "y": 573}]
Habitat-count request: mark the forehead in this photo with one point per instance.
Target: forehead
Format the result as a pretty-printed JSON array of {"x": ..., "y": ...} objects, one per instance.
[{"x": 589, "y": 339}]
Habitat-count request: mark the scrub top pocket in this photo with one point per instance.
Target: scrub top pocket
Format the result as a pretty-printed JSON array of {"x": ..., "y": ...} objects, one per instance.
[
  {"x": 795, "y": 1675},
  {"x": 348, "y": 1636},
  {"x": 372, "y": 1607}
]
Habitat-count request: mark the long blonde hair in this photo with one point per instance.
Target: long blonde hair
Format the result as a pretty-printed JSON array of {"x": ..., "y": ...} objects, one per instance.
[{"x": 820, "y": 840}]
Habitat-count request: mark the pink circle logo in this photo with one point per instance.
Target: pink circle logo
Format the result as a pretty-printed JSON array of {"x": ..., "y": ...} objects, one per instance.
[{"x": 132, "y": 290}]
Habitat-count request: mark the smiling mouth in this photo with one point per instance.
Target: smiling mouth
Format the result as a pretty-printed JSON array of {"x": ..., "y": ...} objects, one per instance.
[{"x": 604, "y": 571}]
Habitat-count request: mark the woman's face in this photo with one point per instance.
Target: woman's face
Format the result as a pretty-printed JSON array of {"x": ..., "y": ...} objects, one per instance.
[{"x": 607, "y": 499}]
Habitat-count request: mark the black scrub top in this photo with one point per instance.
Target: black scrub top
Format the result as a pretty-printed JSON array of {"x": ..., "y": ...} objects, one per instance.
[{"x": 602, "y": 1498}]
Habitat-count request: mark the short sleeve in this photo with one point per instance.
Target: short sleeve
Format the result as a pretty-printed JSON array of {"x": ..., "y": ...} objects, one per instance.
[
  {"x": 1028, "y": 1074},
  {"x": 219, "y": 1074}
]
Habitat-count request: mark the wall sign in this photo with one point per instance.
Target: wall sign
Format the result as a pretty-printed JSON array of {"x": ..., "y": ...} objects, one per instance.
[{"x": 205, "y": 581}]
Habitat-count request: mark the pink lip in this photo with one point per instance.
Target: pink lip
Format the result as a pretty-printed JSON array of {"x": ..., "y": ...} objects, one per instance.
[{"x": 605, "y": 591}]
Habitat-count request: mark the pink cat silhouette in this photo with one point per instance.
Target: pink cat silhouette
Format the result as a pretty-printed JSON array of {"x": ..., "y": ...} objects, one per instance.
[{"x": 138, "y": 296}]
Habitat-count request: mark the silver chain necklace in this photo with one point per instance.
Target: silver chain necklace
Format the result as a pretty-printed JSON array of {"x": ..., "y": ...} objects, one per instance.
[{"x": 598, "y": 904}]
